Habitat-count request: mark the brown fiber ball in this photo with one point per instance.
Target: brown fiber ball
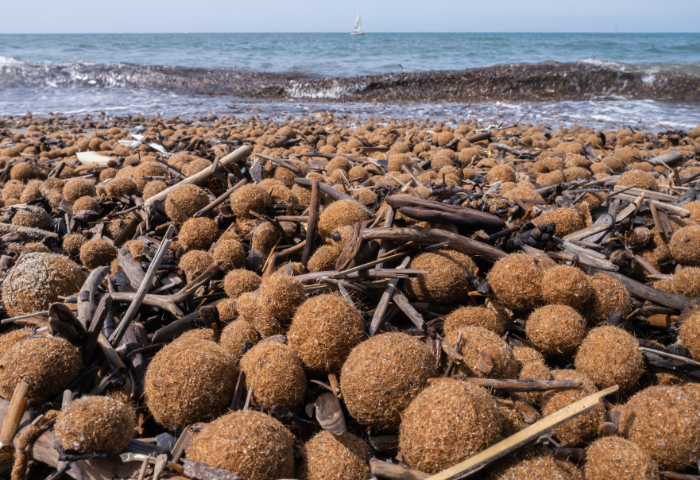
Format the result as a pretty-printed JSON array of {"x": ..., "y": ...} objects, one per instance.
[
  {"x": 240, "y": 281},
  {"x": 32, "y": 191},
  {"x": 250, "y": 198},
  {"x": 610, "y": 356},
  {"x": 324, "y": 330},
  {"x": 22, "y": 171},
  {"x": 534, "y": 371},
  {"x": 517, "y": 281},
  {"x": 475, "y": 342},
  {"x": 324, "y": 259},
  {"x": 448, "y": 422},
  {"x": 687, "y": 282},
  {"x": 95, "y": 425},
  {"x": 281, "y": 294},
  {"x": 248, "y": 306},
  {"x": 248, "y": 444},
  {"x": 265, "y": 237},
  {"x": 446, "y": 282},
  {"x": 37, "y": 281},
  {"x": 525, "y": 355},
  {"x": 609, "y": 295},
  {"x": 198, "y": 233},
  {"x": 152, "y": 169},
  {"x": 583, "y": 428},
  {"x": 78, "y": 187},
  {"x": 689, "y": 335},
  {"x": 227, "y": 309},
  {"x": 9, "y": 339},
  {"x": 555, "y": 329},
  {"x": 335, "y": 457},
  {"x": 567, "y": 220},
  {"x": 339, "y": 214},
  {"x": 97, "y": 252},
  {"x": 474, "y": 316},
  {"x": 533, "y": 464},
  {"x": 194, "y": 263},
  {"x": 685, "y": 245},
  {"x": 190, "y": 381},
  {"x": 382, "y": 375},
  {"x": 34, "y": 217},
  {"x": 152, "y": 188},
  {"x": 275, "y": 373},
  {"x": 564, "y": 285},
  {"x": 235, "y": 337},
  {"x": 644, "y": 180},
  {"x": 121, "y": 187},
  {"x": 615, "y": 457},
  {"x": 230, "y": 254},
  {"x": 46, "y": 364},
  {"x": 502, "y": 173},
  {"x": 665, "y": 422},
  {"x": 86, "y": 203},
  {"x": 185, "y": 199},
  {"x": 51, "y": 185}
]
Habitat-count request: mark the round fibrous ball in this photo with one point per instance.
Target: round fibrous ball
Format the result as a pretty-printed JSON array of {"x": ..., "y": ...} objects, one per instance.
[
  {"x": 281, "y": 294},
  {"x": 502, "y": 173},
  {"x": 665, "y": 422},
  {"x": 37, "y": 247},
  {"x": 567, "y": 220},
  {"x": 582, "y": 428},
  {"x": 555, "y": 329},
  {"x": 31, "y": 216},
  {"x": 610, "y": 356},
  {"x": 22, "y": 171},
  {"x": 644, "y": 180},
  {"x": 198, "y": 233},
  {"x": 615, "y": 457},
  {"x": 534, "y": 371},
  {"x": 47, "y": 364},
  {"x": 86, "y": 203},
  {"x": 446, "y": 282},
  {"x": 338, "y": 214},
  {"x": 227, "y": 308},
  {"x": 687, "y": 282},
  {"x": 230, "y": 254},
  {"x": 382, "y": 375},
  {"x": 95, "y": 425},
  {"x": 238, "y": 337},
  {"x": 248, "y": 306},
  {"x": 640, "y": 237},
  {"x": 248, "y": 444},
  {"x": 78, "y": 187},
  {"x": 38, "y": 280},
  {"x": 448, "y": 422},
  {"x": 476, "y": 317},
  {"x": 533, "y": 464},
  {"x": 275, "y": 373},
  {"x": 517, "y": 281},
  {"x": 152, "y": 188},
  {"x": 689, "y": 335},
  {"x": 335, "y": 457},
  {"x": 525, "y": 355},
  {"x": 194, "y": 263},
  {"x": 265, "y": 237},
  {"x": 324, "y": 259},
  {"x": 97, "y": 252},
  {"x": 240, "y": 281},
  {"x": 9, "y": 339},
  {"x": 324, "y": 330},
  {"x": 185, "y": 199},
  {"x": 189, "y": 381},
  {"x": 478, "y": 342},
  {"x": 609, "y": 295},
  {"x": 121, "y": 187},
  {"x": 685, "y": 245},
  {"x": 564, "y": 285},
  {"x": 250, "y": 198}
]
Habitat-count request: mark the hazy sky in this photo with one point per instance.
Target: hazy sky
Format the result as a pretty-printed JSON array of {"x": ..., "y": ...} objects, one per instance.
[{"x": 126, "y": 16}]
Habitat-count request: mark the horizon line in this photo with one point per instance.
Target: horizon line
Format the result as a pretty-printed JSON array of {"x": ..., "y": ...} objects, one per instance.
[{"x": 348, "y": 33}]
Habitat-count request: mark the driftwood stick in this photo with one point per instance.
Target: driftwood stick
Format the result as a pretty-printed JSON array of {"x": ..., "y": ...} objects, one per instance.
[
  {"x": 384, "y": 301},
  {"x": 394, "y": 471},
  {"x": 18, "y": 405},
  {"x": 332, "y": 192},
  {"x": 402, "y": 302},
  {"x": 86, "y": 298},
  {"x": 522, "y": 385},
  {"x": 132, "y": 268},
  {"x": 467, "y": 216},
  {"x": 220, "y": 199},
  {"x": 96, "y": 324},
  {"x": 28, "y": 234},
  {"x": 312, "y": 222},
  {"x": 281, "y": 162},
  {"x": 637, "y": 289},
  {"x": 388, "y": 222}
]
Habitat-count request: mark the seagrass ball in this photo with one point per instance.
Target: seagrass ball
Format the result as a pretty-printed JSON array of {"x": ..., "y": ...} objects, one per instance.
[
  {"x": 615, "y": 457},
  {"x": 265, "y": 237},
  {"x": 446, "y": 423},
  {"x": 121, "y": 187},
  {"x": 189, "y": 381},
  {"x": 238, "y": 337},
  {"x": 33, "y": 217},
  {"x": 501, "y": 173},
  {"x": 152, "y": 169},
  {"x": 240, "y": 281},
  {"x": 324, "y": 259},
  {"x": 474, "y": 316},
  {"x": 610, "y": 356},
  {"x": 382, "y": 375},
  {"x": 564, "y": 285},
  {"x": 198, "y": 233},
  {"x": 37, "y": 281},
  {"x": 567, "y": 220},
  {"x": 533, "y": 464},
  {"x": 194, "y": 263},
  {"x": 609, "y": 295},
  {"x": 230, "y": 254},
  {"x": 476, "y": 340},
  {"x": 582, "y": 428},
  {"x": 22, "y": 171},
  {"x": 152, "y": 188},
  {"x": 97, "y": 252},
  {"x": 642, "y": 179},
  {"x": 517, "y": 281},
  {"x": 248, "y": 305},
  {"x": 78, "y": 187},
  {"x": 534, "y": 371},
  {"x": 95, "y": 424},
  {"x": 687, "y": 282},
  {"x": 9, "y": 339},
  {"x": 249, "y": 198},
  {"x": 664, "y": 422},
  {"x": 248, "y": 444},
  {"x": 275, "y": 373},
  {"x": 685, "y": 245},
  {"x": 184, "y": 201},
  {"x": 689, "y": 335},
  {"x": 339, "y": 214},
  {"x": 281, "y": 295},
  {"x": 446, "y": 282},
  {"x": 324, "y": 330},
  {"x": 555, "y": 329},
  {"x": 335, "y": 457},
  {"x": 525, "y": 355},
  {"x": 47, "y": 364},
  {"x": 86, "y": 203}
]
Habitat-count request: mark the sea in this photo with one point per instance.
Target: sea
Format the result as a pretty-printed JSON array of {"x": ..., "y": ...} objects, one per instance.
[{"x": 649, "y": 81}]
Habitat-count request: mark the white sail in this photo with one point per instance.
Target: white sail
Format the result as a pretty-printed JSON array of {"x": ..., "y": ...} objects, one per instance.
[{"x": 357, "y": 30}]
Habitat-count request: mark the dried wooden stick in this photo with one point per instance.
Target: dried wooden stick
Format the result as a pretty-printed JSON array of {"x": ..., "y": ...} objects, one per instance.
[
  {"x": 220, "y": 199},
  {"x": 384, "y": 301},
  {"x": 86, "y": 297},
  {"x": 314, "y": 207}
]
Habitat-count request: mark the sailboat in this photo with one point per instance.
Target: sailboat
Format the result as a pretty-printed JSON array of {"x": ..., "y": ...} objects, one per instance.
[{"x": 358, "y": 26}]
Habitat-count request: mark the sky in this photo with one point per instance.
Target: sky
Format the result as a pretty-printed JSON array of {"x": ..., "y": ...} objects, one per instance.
[{"x": 173, "y": 16}]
